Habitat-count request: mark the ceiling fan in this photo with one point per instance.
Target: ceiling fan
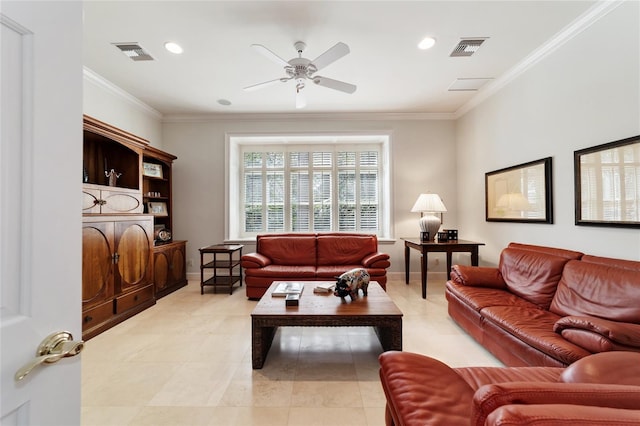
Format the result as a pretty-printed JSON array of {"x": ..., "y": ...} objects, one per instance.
[{"x": 301, "y": 69}]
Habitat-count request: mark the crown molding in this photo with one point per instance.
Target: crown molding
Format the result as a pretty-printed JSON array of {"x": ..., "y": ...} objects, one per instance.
[
  {"x": 334, "y": 116},
  {"x": 96, "y": 79},
  {"x": 584, "y": 21}
]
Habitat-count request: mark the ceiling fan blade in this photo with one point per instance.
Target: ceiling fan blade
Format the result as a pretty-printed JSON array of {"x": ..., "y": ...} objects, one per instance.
[
  {"x": 301, "y": 99},
  {"x": 269, "y": 54},
  {"x": 261, "y": 85},
  {"x": 334, "y": 84},
  {"x": 331, "y": 55}
]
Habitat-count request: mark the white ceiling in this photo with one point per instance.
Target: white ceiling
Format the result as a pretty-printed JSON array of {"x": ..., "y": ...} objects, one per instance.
[{"x": 392, "y": 75}]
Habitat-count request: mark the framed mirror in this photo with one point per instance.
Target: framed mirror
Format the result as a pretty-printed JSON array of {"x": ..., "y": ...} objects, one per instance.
[
  {"x": 607, "y": 184},
  {"x": 521, "y": 193}
]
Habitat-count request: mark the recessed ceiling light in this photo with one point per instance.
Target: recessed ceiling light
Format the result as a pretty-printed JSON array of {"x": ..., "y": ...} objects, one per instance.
[
  {"x": 173, "y": 47},
  {"x": 426, "y": 43},
  {"x": 224, "y": 102}
]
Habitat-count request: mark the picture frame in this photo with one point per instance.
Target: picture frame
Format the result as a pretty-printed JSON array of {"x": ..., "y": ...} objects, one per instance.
[
  {"x": 157, "y": 208},
  {"x": 152, "y": 170},
  {"x": 607, "y": 184},
  {"x": 521, "y": 193}
]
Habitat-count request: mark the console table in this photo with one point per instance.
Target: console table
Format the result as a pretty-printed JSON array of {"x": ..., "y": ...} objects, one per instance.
[{"x": 449, "y": 247}]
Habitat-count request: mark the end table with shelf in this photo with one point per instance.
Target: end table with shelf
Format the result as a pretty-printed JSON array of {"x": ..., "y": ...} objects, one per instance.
[{"x": 225, "y": 257}]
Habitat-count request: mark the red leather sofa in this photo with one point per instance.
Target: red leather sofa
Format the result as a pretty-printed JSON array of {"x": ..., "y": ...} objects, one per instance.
[
  {"x": 311, "y": 257},
  {"x": 545, "y": 306},
  {"x": 599, "y": 389}
]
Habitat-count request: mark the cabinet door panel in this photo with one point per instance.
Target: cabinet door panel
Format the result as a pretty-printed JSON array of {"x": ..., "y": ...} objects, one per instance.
[
  {"x": 133, "y": 247},
  {"x": 121, "y": 202},
  {"x": 178, "y": 264},
  {"x": 97, "y": 263},
  {"x": 90, "y": 201},
  {"x": 161, "y": 270}
]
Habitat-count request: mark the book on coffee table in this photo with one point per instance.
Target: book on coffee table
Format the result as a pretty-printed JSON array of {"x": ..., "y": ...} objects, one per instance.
[
  {"x": 324, "y": 288},
  {"x": 285, "y": 288}
]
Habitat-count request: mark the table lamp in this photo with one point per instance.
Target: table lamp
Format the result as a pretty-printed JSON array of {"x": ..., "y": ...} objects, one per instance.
[{"x": 429, "y": 224}]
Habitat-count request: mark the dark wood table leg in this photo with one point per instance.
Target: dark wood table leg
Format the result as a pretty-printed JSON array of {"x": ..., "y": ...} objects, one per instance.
[
  {"x": 261, "y": 339},
  {"x": 474, "y": 256},
  {"x": 449, "y": 253},
  {"x": 201, "y": 273},
  {"x": 423, "y": 272},
  {"x": 406, "y": 263},
  {"x": 390, "y": 336}
]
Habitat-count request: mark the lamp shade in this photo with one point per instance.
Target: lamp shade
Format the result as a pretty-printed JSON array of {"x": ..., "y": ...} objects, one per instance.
[{"x": 429, "y": 203}]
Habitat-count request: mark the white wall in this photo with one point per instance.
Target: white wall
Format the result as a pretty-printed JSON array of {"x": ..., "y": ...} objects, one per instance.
[
  {"x": 422, "y": 158},
  {"x": 108, "y": 103},
  {"x": 585, "y": 93}
]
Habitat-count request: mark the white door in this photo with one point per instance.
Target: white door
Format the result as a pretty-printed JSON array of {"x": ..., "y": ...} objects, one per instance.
[{"x": 40, "y": 214}]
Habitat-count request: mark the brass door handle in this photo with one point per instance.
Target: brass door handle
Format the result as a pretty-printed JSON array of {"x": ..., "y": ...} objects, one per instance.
[{"x": 52, "y": 349}]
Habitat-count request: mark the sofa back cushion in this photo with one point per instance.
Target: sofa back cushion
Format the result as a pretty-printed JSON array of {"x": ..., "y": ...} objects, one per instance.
[
  {"x": 533, "y": 272},
  {"x": 345, "y": 249},
  {"x": 600, "y": 287},
  {"x": 288, "y": 249}
]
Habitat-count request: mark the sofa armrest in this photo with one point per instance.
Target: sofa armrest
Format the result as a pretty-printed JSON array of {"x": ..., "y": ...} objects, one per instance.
[
  {"x": 420, "y": 389},
  {"x": 615, "y": 367},
  {"x": 254, "y": 260},
  {"x": 490, "y": 397},
  {"x": 376, "y": 260},
  {"x": 623, "y": 333},
  {"x": 477, "y": 276},
  {"x": 561, "y": 414}
]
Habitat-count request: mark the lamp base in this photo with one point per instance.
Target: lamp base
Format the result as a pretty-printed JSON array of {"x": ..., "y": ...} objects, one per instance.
[{"x": 429, "y": 225}]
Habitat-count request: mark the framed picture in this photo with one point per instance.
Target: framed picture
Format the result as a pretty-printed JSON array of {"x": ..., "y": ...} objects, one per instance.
[
  {"x": 607, "y": 184},
  {"x": 152, "y": 170},
  {"x": 521, "y": 193},
  {"x": 157, "y": 208}
]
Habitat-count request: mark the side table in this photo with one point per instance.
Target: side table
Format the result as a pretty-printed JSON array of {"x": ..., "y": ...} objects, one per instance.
[
  {"x": 449, "y": 247},
  {"x": 226, "y": 257}
]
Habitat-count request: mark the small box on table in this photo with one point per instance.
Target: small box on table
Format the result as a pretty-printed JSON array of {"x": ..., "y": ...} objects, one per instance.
[{"x": 452, "y": 234}]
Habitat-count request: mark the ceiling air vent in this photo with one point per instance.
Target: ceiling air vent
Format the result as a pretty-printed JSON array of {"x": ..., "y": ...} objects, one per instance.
[
  {"x": 134, "y": 51},
  {"x": 467, "y": 46}
]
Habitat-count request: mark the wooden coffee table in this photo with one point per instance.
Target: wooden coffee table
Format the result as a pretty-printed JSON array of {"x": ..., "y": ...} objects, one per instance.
[{"x": 324, "y": 310}]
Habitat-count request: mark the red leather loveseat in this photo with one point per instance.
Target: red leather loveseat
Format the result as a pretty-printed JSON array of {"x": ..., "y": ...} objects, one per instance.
[
  {"x": 311, "y": 257},
  {"x": 598, "y": 389},
  {"x": 545, "y": 306}
]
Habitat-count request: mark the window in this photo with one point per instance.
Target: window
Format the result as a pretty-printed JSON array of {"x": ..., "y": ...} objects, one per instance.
[{"x": 308, "y": 184}]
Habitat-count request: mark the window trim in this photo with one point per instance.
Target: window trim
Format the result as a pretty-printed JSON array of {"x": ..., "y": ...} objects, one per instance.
[{"x": 234, "y": 141}]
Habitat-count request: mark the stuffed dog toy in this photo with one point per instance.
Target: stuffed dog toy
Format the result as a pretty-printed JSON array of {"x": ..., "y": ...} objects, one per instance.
[{"x": 350, "y": 282}]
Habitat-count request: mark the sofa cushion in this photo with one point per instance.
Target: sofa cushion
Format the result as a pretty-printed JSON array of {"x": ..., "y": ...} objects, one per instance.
[
  {"x": 532, "y": 275},
  {"x": 344, "y": 249},
  {"x": 599, "y": 290},
  {"x": 298, "y": 249},
  {"x": 481, "y": 297},
  {"x": 279, "y": 271},
  {"x": 534, "y": 327}
]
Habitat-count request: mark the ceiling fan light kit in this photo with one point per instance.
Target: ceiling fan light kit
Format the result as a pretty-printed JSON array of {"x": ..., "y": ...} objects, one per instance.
[{"x": 301, "y": 69}]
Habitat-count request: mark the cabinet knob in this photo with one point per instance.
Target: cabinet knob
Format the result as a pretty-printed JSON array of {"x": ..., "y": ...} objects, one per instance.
[{"x": 88, "y": 318}]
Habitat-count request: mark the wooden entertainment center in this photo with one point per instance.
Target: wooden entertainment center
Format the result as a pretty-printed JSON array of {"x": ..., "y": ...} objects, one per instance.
[{"x": 128, "y": 256}]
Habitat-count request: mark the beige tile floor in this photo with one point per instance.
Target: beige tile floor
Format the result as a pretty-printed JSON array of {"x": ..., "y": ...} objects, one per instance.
[{"x": 187, "y": 361}]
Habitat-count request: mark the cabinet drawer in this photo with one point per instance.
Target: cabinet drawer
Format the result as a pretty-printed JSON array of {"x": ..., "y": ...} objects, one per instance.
[
  {"x": 99, "y": 314},
  {"x": 133, "y": 299}
]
